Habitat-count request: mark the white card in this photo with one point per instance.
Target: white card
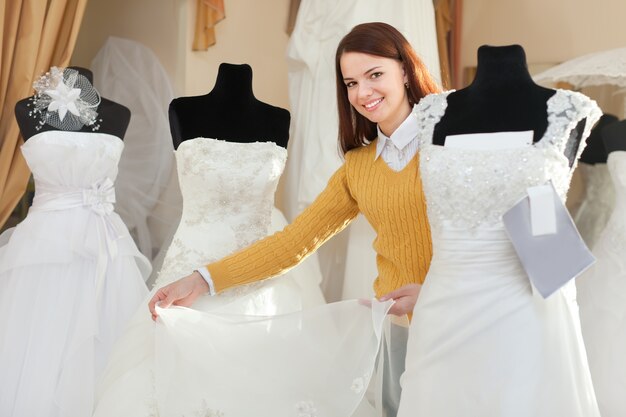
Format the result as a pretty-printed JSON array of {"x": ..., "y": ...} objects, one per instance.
[
  {"x": 550, "y": 260},
  {"x": 490, "y": 141}
]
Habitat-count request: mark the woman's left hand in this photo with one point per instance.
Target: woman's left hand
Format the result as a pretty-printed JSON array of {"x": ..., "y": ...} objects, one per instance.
[{"x": 405, "y": 298}]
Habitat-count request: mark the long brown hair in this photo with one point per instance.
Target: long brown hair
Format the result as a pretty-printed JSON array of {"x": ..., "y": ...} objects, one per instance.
[{"x": 379, "y": 39}]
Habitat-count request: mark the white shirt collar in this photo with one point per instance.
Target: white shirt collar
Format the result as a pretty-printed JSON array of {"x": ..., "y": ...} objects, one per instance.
[{"x": 401, "y": 137}]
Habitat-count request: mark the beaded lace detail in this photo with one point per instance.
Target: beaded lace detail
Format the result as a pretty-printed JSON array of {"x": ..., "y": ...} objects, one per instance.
[
  {"x": 469, "y": 189},
  {"x": 228, "y": 194}
]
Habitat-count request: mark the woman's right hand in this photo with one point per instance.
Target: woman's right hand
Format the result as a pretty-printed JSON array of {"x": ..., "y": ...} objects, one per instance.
[{"x": 183, "y": 292}]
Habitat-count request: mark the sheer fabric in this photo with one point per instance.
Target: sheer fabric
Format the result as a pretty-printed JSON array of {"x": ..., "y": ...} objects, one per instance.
[{"x": 130, "y": 74}]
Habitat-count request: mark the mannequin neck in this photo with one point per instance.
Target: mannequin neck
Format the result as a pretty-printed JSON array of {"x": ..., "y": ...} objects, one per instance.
[
  {"x": 501, "y": 67},
  {"x": 614, "y": 136},
  {"x": 233, "y": 85}
]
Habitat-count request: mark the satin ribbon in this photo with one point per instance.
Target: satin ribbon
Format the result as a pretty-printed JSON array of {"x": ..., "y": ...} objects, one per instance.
[{"x": 99, "y": 198}]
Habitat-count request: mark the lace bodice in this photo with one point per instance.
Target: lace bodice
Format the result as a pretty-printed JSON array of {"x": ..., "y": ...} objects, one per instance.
[
  {"x": 228, "y": 194},
  {"x": 469, "y": 189},
  {"x": 72, "y": 160}
]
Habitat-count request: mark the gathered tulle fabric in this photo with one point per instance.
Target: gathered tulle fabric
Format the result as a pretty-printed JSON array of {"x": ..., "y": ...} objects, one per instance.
[
  {"x": 70, "y": 278},
  {"x": 602, "y": 300},
  {"x": 317, "y": 362}
]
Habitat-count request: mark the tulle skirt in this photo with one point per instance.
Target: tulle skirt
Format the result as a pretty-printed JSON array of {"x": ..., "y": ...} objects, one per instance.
[
  {"x": 57, "y": 322},
  {"x": 211, "y": 362}
]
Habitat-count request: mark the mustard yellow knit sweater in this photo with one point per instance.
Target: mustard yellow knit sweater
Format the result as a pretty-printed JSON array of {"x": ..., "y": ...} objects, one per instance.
[{"x": 393, "y": 203}]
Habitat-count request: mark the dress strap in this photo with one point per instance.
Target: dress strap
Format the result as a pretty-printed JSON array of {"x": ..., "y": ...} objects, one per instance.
[
  {"x": 566, "y": 109},
  {"x": 429, "y": 112}
]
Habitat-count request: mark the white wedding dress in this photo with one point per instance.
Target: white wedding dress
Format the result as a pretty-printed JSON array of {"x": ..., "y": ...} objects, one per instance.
[
  {"x": 70, "y": 278},
  {"x": 597, "y": 203},
  {"x": 602, "y": 300},
  {"x": 227, "y": 355},
  {"x": 480, "y": 343}
]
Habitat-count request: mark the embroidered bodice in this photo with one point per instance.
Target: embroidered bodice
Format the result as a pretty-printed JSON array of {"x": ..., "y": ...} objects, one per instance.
[
  {"x": 228, "y": 194},
  {"x": 469, "y": 189}
]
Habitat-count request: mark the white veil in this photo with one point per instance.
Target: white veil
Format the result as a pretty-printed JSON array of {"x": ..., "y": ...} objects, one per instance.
[{"x": 130, "y": 74}]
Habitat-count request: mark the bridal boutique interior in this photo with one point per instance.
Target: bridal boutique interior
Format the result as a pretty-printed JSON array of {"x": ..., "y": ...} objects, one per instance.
[{"x": 146, "y": 55}]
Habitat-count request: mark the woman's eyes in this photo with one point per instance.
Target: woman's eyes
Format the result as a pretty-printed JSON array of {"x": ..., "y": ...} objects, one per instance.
[{"x": 373, "y": 75}]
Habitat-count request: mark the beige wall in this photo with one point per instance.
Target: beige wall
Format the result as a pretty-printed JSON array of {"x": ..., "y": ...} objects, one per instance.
[
  {"x": 549, "y": 30},
  {"x": 154, "y": 23},
  {"x": 253, "y": 32}
]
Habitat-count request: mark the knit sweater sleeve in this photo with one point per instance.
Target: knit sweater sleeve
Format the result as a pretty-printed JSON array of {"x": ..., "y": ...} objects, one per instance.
[{"x": 330, "y": 213}]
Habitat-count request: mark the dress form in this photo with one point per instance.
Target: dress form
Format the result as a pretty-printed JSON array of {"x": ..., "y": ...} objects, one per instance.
[
  {"x": 229, "y": 112},
  {"x": 495, "y": 99},
  {"x": 595, "y": 152},
  {"x": 614, "y": 137},
  {"x": 113, "y": 118}
]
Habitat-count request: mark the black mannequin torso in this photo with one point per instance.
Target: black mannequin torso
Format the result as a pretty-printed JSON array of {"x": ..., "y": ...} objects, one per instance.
[
  {"x": 113, "y": 118},
  {"x": 503, "y": 97},
  {"x": 229, "y": 112},
  {"x": 595, "y": 152},
  {"x": 614, "y": 137}
]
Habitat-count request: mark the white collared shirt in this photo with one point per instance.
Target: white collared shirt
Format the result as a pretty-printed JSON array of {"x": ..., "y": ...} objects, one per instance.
[{"x": 397, "y": 151}]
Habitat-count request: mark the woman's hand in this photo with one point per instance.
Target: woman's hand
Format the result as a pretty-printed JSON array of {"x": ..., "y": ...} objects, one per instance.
[
  {"x": 405, "y": 298},
  {"x": 179, "y": 293}
]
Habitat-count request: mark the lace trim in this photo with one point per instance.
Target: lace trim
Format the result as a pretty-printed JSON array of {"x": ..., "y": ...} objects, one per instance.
[
  {"x": 468, "y": 189},
  {"x": 565, "y": 109}
]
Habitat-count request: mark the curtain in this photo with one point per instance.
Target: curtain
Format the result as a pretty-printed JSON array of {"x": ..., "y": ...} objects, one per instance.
[
  {"x": 36, "y": 34},
  {"x": 208, "y": 14},
  {"x": 294, "y": 6},
  {"x": 448, "y": 15}
]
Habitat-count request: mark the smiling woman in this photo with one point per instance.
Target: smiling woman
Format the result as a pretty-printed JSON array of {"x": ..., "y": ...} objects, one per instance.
[
  {"x": 376, "y": 89},
  {"x": 379, "y": 78}
]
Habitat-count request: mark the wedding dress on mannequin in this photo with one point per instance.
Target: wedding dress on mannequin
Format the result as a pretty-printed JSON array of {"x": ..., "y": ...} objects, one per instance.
[
  {"x": 70, "y": 278},
  {"x": 480, "y": 343},
  {"x": 227, "y": 354}
]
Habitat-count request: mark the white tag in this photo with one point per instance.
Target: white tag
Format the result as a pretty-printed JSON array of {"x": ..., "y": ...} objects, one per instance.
[
  {"x": 490, "y": 141},
  {"x": 542, "y": 210}
]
